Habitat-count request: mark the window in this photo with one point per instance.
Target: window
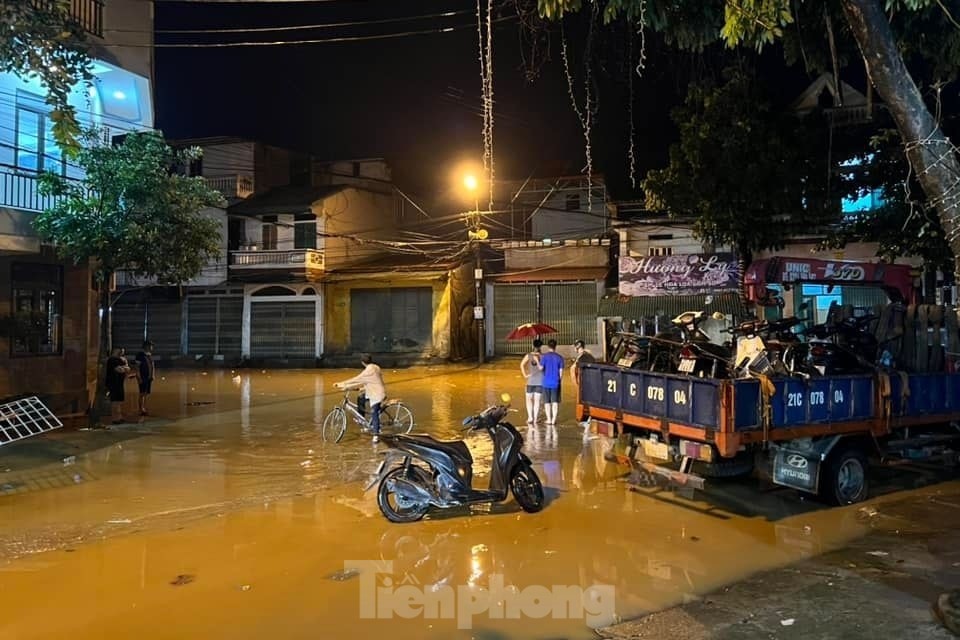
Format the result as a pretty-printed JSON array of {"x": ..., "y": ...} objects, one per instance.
[
  {"x": 36, "y": 148},
  {"x": 37, "y": 305},
  {"x": 660, "y": 251},
  {"x": 268, "y": 236},
  {"x": 304, "y": 231}
]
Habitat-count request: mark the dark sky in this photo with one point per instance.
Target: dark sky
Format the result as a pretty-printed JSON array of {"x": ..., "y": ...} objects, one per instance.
[{"x": 391, "y": 98}]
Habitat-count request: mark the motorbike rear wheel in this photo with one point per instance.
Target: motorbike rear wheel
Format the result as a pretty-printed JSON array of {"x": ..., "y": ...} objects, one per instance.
[
  {"x": 395, "y": 507},
  {"x": 527, "y": 489}
]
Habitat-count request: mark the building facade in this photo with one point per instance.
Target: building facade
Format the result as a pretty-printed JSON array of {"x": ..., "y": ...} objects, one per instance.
[{"x": 50, "y": 343}]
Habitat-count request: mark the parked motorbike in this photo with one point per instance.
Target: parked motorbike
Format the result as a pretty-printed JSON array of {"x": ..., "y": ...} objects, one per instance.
[
  {"x": 698, "y": 355},
  {"x": 844, "y": 348},
  {"x": 420, "y": 472}
]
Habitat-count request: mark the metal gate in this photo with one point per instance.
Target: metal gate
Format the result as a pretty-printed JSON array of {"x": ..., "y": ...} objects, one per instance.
[
  {"x": 26, "y": 417},
  {"x": 283, "y": 329},
  {"x": 570, "y": 308},
  {"x": 383, "y": 320},
  {"x": 157, "y": 320},
  {"x": 214, "y": 325}
]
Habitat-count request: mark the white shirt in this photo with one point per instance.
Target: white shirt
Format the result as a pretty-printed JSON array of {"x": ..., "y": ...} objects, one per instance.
[{"x": 371, "y": 379}]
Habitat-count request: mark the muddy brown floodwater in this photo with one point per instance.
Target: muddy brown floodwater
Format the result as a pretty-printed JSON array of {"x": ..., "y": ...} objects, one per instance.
[{"x": 225, "y": 515}]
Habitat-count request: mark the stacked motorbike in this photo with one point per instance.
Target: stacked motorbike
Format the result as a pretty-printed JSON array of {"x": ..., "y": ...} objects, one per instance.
[{"x": 772, "y": 348}]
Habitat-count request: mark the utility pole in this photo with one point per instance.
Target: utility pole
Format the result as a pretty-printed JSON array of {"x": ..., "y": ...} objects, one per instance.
[{"x": 476, "y": 235}]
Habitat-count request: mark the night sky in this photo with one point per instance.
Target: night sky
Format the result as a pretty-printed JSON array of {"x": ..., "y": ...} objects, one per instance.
[{"x": 413, "y": 100}]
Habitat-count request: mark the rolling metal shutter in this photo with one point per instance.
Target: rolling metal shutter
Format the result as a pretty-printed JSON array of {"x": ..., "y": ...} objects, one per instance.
[
  {"x": 214, "y": 325},
  {"x": 282, "y": 330},
  {"x": 383, "y": 320},
  {"x": 513, "y": 304}
]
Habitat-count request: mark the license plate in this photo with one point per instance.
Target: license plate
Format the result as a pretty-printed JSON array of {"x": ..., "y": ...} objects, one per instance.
[
  {"x": 658, "y": 450},
  {"x": 687, "y": 365}
]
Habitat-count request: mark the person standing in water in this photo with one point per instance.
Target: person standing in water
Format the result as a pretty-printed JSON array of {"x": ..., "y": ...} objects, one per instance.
[
  {"x": 533, "y": 374},
  {"x": 551, "y": 363}
]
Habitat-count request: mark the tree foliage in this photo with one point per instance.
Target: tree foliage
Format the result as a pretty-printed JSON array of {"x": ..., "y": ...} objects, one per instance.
[
  {"x": 132, "y": 211},
  {"x": 749, "y": 174},
  {"x": 42, "y": 38}
]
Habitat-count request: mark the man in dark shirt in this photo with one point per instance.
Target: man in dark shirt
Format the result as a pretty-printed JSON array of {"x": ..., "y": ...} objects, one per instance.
[
  {"x": 145, "y": 374},
  {"x": 583, "y": 356}
]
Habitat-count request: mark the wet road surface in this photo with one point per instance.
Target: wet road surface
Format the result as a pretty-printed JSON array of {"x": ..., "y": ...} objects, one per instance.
[{"x": 225, "y": 514}]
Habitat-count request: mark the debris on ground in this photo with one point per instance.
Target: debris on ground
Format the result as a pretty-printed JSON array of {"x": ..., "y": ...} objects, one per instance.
[
  {"x": 787, "y": 622},
  {"x": 69, "y": 460},
  {"x": 182, "y": 579},
  {"x": 879, "y": 554},
  {"x": 346, "y": 574}
]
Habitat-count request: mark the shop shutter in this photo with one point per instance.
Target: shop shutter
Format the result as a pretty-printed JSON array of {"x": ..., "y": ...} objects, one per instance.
[
  {"x": 231, "y": 326},
  {"x": 282, "y": 330},
  {"x": 391, "y": 320},
  {"x": 571, "y": 309},
  {"x": 513, "y": 305},
  {"x": 164, "y": 328},
  {"x": 202, "y": 326},
  {"x": 128, "y": 323}
]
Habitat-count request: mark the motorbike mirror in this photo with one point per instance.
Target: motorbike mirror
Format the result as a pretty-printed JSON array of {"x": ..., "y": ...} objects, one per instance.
[
  {"x": 467, "y": 421},
  {"x": 505, "y": 398}
]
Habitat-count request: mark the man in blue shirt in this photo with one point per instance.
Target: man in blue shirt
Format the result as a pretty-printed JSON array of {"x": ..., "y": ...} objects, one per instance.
[{"x": 551, "y": 363}]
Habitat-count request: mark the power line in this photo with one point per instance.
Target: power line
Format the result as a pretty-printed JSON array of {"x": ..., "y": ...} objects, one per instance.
[
  {"x": 300, "y": 27},
  {"x": 383, "y": 36}
]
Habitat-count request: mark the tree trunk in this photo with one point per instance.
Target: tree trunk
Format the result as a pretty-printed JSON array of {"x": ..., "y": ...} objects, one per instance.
[
  {"x": 929, "y": 151},
  {"x": 101, "y": 405}
]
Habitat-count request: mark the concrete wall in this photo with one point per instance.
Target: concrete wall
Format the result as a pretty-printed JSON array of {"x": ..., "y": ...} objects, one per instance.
[
  {"x": 567, "y": 255},
  {"x": 637, "y": 241},
  {"x": 135, "y": 20},
  {"x": 351, "y": 216},
  {"x": 228, "y": 159}
]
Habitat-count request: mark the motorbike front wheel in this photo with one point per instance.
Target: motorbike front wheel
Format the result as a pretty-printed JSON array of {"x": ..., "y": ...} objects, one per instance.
[
  {"x": 395, "y": 507},
  {"x": 526, "y": 488}
]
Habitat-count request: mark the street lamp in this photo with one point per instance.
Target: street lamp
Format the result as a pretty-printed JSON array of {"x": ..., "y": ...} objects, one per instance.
[{"x": 472, "y": 185}]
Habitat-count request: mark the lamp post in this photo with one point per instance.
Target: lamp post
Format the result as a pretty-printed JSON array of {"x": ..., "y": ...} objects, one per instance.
[{"x": 476, "y": 234}]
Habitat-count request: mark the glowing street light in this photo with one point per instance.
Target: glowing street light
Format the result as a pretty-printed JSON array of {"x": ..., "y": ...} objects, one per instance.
[{"x": 470, "y": 182}]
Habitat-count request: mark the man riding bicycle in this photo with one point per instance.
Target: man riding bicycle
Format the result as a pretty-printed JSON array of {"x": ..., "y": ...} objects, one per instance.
[{"x": 375, "y": 391}]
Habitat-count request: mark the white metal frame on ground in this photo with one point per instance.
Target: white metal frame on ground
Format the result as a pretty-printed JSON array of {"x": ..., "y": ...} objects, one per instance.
[{"x": 25, "y": 417}]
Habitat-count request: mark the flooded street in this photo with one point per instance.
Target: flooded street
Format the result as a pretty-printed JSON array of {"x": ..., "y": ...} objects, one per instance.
[{"x": 225, "y": 514}]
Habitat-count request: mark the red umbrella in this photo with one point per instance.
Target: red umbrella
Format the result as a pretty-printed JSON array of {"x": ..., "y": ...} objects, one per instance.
[{"x": 530, "y": 330}]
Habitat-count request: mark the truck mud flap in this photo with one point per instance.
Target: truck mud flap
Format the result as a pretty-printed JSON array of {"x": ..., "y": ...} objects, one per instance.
[{"x": 797, "y": 465}]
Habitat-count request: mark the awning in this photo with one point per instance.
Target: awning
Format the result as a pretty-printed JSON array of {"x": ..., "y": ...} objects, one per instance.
[
  {"x": 636, "y": 307},
  {"x": 569, "y": 274}
]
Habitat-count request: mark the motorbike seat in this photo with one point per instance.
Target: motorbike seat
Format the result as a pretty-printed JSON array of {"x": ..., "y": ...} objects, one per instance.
[{"x": 454, "y": 448}]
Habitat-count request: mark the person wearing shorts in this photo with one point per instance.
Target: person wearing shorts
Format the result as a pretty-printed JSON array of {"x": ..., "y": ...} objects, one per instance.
[
  {"x": 533, "y": 374},
  {"x": 551, "y": 363},
  {"x": 145, "y": 375}
]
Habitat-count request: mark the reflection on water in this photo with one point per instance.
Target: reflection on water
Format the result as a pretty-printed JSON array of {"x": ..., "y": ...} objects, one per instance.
[{"x": 233, "y": 485}]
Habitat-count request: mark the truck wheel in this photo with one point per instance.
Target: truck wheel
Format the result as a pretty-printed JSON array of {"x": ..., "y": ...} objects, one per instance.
[{"x": 843, "y": 479}]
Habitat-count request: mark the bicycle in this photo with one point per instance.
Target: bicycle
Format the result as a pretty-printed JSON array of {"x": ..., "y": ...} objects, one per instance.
[{"x": 395, "y": 418}]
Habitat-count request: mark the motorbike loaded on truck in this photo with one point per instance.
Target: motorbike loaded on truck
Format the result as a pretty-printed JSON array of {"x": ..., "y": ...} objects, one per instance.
[{"x": 810, "y": 404}]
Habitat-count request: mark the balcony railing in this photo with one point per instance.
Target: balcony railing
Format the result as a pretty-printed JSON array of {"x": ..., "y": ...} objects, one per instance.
[
  {"x": 22, "y": 191},
  {"x": 310, "y": 259},
  {"x": 236, "y": 186},
  {"x": 87, "y": 13}
]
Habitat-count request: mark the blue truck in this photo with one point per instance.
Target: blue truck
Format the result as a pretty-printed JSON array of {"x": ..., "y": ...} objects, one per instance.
[{"x": 816, "y": 435}]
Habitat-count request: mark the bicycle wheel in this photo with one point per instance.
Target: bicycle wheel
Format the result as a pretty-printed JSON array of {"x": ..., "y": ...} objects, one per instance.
[
  {"x": 396, "y": 418},
  {"x": 334, "y": 425}
]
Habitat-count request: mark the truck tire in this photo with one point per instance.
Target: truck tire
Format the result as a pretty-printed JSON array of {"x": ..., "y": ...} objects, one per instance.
[{"x": 843, "y": 479}]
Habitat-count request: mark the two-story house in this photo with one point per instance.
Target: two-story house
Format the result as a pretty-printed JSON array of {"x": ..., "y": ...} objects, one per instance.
[
  {"x": 201, "y": 318},
  {"x": 51, "y": 338},
  {"x": 325, "y": 273}
]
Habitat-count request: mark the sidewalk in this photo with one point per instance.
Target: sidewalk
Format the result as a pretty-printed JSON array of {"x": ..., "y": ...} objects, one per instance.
[{"x": 882, "y": 586}]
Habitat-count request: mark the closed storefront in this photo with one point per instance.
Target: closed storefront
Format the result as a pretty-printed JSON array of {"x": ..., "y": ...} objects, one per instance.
[
  {"x": 153, "y": 314},
  {"x": 391, "y": 320},
  {"x": 283, "y": 330},
  {"x": 214, "y": 325},
  {"x": 568, "y": 307}
]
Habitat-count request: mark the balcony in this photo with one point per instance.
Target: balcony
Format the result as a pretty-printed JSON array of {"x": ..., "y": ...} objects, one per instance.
[
  {"x": 298, "y": 261},
  {"x": 87, "y": 13},
  {"x": 22, "y": 191},
  {"x": 235, "y": 187}
]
